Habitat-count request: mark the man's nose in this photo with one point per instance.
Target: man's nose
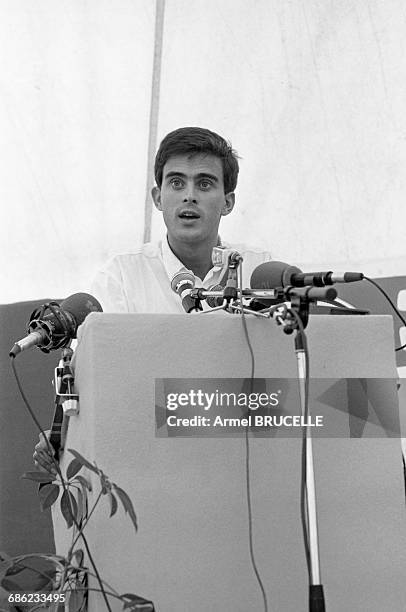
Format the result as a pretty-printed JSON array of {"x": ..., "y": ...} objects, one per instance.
[{"x": 190, "y": 196}]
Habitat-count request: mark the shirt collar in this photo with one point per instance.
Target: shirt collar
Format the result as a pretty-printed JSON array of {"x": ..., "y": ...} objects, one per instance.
[
  {"x": 171, "y": 262},
  {"x": 173, "y": 265}
]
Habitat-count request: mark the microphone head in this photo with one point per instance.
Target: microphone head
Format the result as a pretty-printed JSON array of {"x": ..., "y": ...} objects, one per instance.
[
  {"x": 182, "y": 280},
  {"x": 58, "y": 323},
  {"x": 272, "y": 275},
  {"x": 215, "y": 302},
  {"x": 79, "y": 305}
]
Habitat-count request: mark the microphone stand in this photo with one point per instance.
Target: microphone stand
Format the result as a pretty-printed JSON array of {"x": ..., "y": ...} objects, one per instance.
[
  {"x": 300, "y": 302},
  {"x": 293, "y": 319},
  {"x": 66, "y": 400}
]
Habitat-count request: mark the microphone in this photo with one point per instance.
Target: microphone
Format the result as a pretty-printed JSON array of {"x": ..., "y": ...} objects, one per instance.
[
  {"x": 222, "y": 256},
  {"x": 53, "y": 325},
  {"x": 182, "y": 283},
  {"x": 275, "y": 274},
  {"x": 213, "y": 301}
]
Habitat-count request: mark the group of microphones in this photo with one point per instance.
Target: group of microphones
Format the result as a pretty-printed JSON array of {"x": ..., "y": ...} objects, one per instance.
[
  {"x": 271, "y": 282},
  {"x": 54, "y": 326}
]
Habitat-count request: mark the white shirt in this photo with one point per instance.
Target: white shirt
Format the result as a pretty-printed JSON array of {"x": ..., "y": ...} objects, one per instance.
[{"x": 141, "y": 281}]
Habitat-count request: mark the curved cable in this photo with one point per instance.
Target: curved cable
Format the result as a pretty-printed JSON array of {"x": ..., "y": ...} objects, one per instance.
[{"x": 247, "y": 454}]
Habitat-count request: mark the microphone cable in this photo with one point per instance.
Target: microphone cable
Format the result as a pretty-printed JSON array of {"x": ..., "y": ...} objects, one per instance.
[
  {"x": 303, "y": 479},
  {"x": 401, "y": 317},
  {"x": 32, "y": 413},
  {"x": 247, "y": 451}
]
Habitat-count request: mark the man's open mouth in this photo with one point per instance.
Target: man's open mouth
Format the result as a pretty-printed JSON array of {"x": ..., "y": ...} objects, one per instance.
[{"x": 189, "y": 214}]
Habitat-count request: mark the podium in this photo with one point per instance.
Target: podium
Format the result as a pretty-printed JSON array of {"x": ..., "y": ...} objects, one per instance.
[{"x": 191, "y": 551}]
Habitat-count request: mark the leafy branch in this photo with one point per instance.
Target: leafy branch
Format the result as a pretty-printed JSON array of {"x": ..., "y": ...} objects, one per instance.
[{"x": 52, "y": 574}]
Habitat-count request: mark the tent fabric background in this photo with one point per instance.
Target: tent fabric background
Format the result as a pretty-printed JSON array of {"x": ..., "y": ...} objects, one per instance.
[{"x": 311, "y": 94}]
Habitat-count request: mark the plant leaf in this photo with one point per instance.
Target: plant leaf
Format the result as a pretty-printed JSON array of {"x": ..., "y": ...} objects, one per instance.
[
  {"x": 69, "y": 507},
  {"x": 139, "y": 606},
  {"x": 31, "y": 573},
  {"x": 6, "y": 563},
  {"x": 104, "y": 483},
  {"x": 84, "y": 461},
  {"x": 78, "y": 555},
  {"x": 127, "y": 504},
  {"x": 80, "y": 503},
  {"x": 76, "y": 600},
  {"x": 137, "y": 603},
  {"x": 85, "y": 483},
  {"x": 113, "y": 504},
  {"x": 48, "y": 495},
  {"x": 39, "y": 476},
  {"x": 73, "y": 468}
]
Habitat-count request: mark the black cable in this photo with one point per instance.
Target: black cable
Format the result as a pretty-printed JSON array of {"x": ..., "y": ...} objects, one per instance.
[
  {"x": 375, "y": 284},
  {"x": 247, "y": 459},
  {"x": 32, "y": 414},
  {"x": 404, "y": 472}
]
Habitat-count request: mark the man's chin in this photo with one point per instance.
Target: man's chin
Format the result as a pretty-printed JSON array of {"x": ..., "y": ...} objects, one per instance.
[{"x": 189, "y": 234}]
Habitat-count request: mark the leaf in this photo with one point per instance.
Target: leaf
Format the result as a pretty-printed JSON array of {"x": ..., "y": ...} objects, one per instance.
[
  {"x": 127, "y": 504},
  {"x": 78, "y": 556},
  {"x": 6, "y": 563},
  {"x": 69, "y": 508},
  {"x": 113, "y": 504},
  {"x": 136, "y": 603},
  {"x": 48, "y": 495},
  {"x": 76, "y": 600},
  {"x": 144, "y": 606},
  {"x": 10, "y": 585},
  {"x": 84, "y": 461},
  {"x": 105, "y": 483},
  {"x": 31, "y": 573},
  {"x": 73, "y": 468},
  {"x": 82, "y": 504},
  {"x": 39, "y": 476},
  {"x": 85, "y": 483}
]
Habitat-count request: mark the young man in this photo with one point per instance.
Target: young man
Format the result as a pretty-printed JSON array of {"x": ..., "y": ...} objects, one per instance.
[{"x": 196, "y": 173}]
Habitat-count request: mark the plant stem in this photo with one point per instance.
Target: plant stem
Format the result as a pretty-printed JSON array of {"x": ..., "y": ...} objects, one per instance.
[{"x": 86, "y": 522}]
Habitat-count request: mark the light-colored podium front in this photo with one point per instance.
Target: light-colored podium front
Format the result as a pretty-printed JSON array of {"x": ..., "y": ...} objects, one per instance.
[{"x": 191, "y": 551}]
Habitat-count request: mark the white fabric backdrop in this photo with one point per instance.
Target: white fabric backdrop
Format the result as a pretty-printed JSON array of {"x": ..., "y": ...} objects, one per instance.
[{"x": 311, "y": 94}]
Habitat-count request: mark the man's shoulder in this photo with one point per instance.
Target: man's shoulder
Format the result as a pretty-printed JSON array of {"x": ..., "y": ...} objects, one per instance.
[{"x": 147, "y": 251}]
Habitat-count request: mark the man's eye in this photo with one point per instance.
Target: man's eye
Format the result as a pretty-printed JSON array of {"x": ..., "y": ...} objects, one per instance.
[
  {"x": 176, "y": 183},
  {"x": 205, "y": 184}
]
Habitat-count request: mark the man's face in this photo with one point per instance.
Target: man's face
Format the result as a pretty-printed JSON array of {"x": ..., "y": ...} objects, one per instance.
[{"x": 192, "y": 198}]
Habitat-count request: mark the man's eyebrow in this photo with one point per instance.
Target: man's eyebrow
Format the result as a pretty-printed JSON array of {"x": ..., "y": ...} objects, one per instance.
[
  {"x": 213, "y": 177},
  {"x": 201, "y": 175},
  {"x": 173, "y": 173}
]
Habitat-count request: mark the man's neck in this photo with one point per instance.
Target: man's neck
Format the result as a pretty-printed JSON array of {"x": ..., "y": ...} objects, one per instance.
[{"x": 195, "y": 257}]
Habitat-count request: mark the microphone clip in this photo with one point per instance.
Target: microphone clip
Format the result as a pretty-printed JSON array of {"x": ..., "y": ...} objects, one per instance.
[
  {"x": 64, "y": 384},
  {"x": 300, "y": 299}
]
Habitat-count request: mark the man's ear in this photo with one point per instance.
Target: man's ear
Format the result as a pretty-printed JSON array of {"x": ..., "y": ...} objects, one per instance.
[
  {"x": 156, "y": 196},
  {"x": 229, "y": 201}
]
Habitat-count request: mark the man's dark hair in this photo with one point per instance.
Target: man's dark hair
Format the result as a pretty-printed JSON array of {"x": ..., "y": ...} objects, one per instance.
[{"x": 195, "y": 140}]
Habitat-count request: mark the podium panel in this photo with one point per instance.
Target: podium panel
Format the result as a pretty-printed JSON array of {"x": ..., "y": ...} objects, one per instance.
[{"x": 191, "y": 551}]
